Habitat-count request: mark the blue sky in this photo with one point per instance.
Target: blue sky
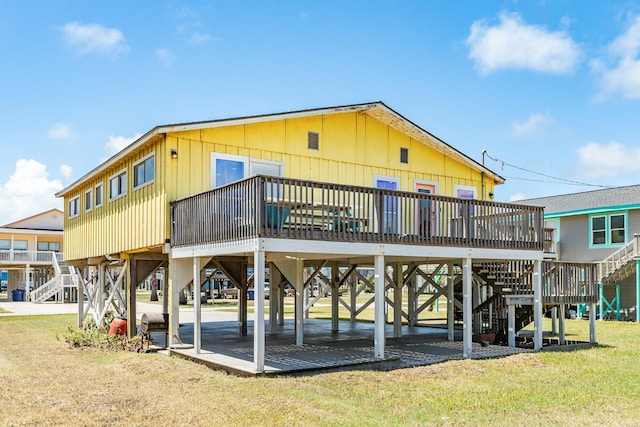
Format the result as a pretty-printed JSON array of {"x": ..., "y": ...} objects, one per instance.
[{"x": 550, "y": 89}]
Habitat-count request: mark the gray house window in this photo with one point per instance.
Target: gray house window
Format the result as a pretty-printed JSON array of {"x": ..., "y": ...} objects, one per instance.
[{"x": 608, "y": 230}]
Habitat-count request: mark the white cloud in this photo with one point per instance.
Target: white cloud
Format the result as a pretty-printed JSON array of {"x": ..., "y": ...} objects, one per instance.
[
  {"x": 94, "y": 38},
  {"x": 620, "y": 74},
  {"x": 59, "y": 131},
  {"x": 607, "y": 160},
  {"x": 28, "y": 191},
  {"x": 532, "y": 124},
  {"x": 513, "y": 44},
  {"x": 199, "y": 38},
  {"x": 165, "y": 56},
  {"x": 517, "y": 196},
  {"x": 117, "y": 143},
  {"x": 66, "y": 171}
]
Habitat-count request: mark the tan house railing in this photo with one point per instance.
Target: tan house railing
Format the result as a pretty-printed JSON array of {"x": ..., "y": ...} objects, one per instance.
[{"x": 275, "y": 207}]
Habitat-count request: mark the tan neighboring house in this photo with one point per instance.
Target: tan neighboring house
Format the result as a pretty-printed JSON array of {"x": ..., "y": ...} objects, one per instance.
[{"x": 30, "y": 257}]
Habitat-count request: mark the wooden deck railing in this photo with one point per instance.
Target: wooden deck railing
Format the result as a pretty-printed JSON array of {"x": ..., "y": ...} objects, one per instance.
[
  {"x": 569, "y": 282},
  {"x": 276, "y": 207}
]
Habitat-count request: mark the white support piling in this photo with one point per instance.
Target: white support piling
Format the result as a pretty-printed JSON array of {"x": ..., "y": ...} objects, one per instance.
[
  {"x": 197, "y": 323},
  {"x": 561, "y": 325},
  {"x": 467, "y": 302},
  {"x": 300, "y": 302},
  {"x": 379, "y": 283},
  {"x": 537, "y": 305},
  {"x": 258, "y": 311},
  {"x": 451, "y": 308},
  {"x": 397, "y": 300},
  {"x": 592, "y": 323}
]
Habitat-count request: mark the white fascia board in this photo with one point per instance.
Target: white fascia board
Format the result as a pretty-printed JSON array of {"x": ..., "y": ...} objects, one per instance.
[
  {"x": 265, "y": 118},
  {"x": 318, "y": 248},
  {"x": 110, "y": 162}
]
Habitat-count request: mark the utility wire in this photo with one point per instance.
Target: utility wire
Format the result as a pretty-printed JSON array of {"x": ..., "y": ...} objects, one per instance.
[{"x": 563, "y": 180}]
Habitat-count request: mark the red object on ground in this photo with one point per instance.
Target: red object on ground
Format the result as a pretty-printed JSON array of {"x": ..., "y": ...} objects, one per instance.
[{"x": 118, "y": 326}]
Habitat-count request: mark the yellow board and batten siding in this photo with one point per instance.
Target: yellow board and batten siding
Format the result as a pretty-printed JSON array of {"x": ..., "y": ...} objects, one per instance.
[
  {"x": 134, "y": 221},
  {"x": 353, "y": 148}
]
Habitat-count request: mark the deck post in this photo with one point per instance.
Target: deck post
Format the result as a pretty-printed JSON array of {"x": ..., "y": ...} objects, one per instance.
[
  {"x": 592, "y": 323},
  {"x": 197, "y": 322},
  {"x": 300, "y": 301},
  {"x": 451, "y": 307},
  {"x": 554, "y": 321},
  {"x": 281, "y": 295},
  {"x": 397, "y": 300},
  {"x": 601, "y": 301},
  {"x": 275, "y": 291},
  {"x": 81, "y": 296},
  {"x": 637, "y": 290},
  {"x": 412, "y": 298},
  {"x": 511, "y": 330},
  {"x": 561, "y": 319},
  {"x": 537, "y": 305},
  {"x": 178, "y": 277},
  {"x": 379, "y": 285},
  {"x": 467, "y": 303},
  {"x": 258, "y": 311},
  {"x": 102, "y": 277},
  {"x": 353, "y": 295},
  {"x": 335, "y": 297}
]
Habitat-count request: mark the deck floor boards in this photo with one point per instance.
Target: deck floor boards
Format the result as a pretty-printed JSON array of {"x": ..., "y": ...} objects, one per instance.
[{"x": 350, "y": 348}]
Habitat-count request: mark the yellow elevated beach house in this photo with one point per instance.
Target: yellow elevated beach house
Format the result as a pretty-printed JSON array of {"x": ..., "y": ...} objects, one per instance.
[{"x": 349, "y": 197}]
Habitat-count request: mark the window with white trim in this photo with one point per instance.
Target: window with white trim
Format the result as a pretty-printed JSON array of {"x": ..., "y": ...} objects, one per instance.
[
  {"x": 74, "y": 207},
  {"x": 88, "y": 202},
  {"x": 5, "y": 244},
  {"x": 118, "y": 185},
  {"x": 49, "y": 246},
  {"x": 608, "y": 230},
  {"x": 20, "y": 245},
  {"x": 99, "y": 195},
  {"x": 144, "y": 171}
]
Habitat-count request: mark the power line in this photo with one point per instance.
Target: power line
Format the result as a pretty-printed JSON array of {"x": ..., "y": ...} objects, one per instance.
[{"x": 563, "y": 180}]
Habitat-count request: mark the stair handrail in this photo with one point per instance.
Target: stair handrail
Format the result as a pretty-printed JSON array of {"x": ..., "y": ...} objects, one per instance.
[
  {"x": 56, "y": 265},
  {"x": 53, "y": 284},
  {"x": 619, "y": 258}
]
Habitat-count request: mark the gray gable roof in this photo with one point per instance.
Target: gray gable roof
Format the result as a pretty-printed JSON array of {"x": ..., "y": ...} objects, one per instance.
[{"x": 598, "y": 199}]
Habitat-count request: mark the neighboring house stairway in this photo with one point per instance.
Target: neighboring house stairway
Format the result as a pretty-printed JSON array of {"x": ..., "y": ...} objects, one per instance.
[
  {"x": 621, "y": 264},
  {"x": 66, "y": 276}
]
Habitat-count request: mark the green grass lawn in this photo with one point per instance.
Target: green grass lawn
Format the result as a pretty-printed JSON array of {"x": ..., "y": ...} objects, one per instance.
[{"x": 44, "y": 383}]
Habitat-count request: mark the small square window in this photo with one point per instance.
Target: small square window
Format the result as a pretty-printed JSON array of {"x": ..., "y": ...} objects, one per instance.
[
  {"x": 404, "y": 155},
  {"x": 313, "y": 141}
]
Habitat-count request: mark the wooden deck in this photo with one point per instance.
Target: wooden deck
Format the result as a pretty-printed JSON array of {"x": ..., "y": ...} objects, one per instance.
[{"x": 350, "y": 349}]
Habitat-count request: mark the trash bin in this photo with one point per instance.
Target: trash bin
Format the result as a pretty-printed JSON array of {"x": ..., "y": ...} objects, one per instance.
[
  {"x": 250, "y": 294},
  {"x": 17, "y": 295}
]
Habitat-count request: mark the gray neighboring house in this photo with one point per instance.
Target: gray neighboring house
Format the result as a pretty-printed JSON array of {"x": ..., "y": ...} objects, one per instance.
[{"x": 600, "y": 226}]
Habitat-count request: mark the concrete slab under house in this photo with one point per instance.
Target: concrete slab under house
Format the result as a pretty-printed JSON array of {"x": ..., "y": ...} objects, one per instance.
[{"x": 355, "y": 200}]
